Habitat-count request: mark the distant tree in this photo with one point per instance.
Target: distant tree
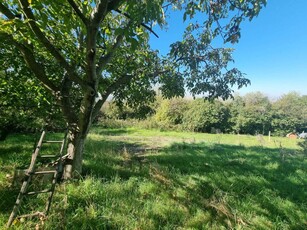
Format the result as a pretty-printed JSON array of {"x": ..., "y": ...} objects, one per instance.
[
  {"x": 123, "y": 111},
  {"x": 203, "y": 116},
  {"x": 251, "y": 114},
  {"x": 237, "y": 117},
  {"x": 290, "y": 113},
  {"x": 170, "y": 112},
  {"x": 100, "y": 48}
]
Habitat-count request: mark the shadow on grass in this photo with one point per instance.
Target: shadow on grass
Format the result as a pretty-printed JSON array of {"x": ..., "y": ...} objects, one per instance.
[
  {"x": 226, "y": 180},
  {"x": 7, "y": 199},
  {"x": 112, "y": 132},
  {"x": 15, "y": 153},
  {"x": 107, "y": 159},
  {"x": 223, "y": 177},
  {"x": 269, "y": 177}
]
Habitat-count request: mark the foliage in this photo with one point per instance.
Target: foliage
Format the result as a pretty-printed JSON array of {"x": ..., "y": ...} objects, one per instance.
[
  {"x": 252, "y": 114},
  {"x": 112, "y": 110},
  {"x": 170, "y": 112},
  {"x": 290, "y": 113},
  {"x": 303, "y": 146},
  {"x": 203, "y": 116},
  {"x": 25, "y": 105}
]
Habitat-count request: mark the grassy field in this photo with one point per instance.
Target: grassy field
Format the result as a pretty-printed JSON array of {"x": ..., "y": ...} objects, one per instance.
[{"x": 147, "y": 179}]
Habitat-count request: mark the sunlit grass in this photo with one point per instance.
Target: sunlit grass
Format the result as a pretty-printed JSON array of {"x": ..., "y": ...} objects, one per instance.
[
  {"x": 167, "y": 137},
  {"x": 147, "y": 179}
]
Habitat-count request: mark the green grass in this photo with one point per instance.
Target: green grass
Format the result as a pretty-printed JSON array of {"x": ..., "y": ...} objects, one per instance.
[{"x": 148, "y": 179}]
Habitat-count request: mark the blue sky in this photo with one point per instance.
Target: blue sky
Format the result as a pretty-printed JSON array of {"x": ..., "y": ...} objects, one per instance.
[{"x": 272, "y": 50}]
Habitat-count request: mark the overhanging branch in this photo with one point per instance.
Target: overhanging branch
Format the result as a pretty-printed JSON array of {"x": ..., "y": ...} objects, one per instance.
[
  {"x": 142, "y": 24},
  {"x": 99, "y": 13},
  {"x": 6, "y": 11},
  {"x": 78, "y": 11},
  {"x": 125, "y": 79},
  {"x": 35, "y": 66},
  {"x": 104, "y": 59},
  {"x": 48, "y": 45}
]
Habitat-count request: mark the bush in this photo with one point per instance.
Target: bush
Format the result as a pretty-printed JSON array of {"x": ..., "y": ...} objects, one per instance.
[
  {"x": 111, "y": 110},
  {"x": 170, "y": 112},
  {"x": 204, "y": 116},
  {"x": 303, "y": 145}
]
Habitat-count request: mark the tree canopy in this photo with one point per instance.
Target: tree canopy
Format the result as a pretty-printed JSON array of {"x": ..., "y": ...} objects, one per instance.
[{"x": 83, "y": 51}]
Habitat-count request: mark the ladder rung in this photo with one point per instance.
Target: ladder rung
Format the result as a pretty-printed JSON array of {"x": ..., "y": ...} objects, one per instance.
[
  {"x": 40, "y": 214},
  {"x": 38, "y": 192},
  {"x": 48, "y": 156},
  {"x": 44, "y": 172},
  {"x": 52, "y": 141}
]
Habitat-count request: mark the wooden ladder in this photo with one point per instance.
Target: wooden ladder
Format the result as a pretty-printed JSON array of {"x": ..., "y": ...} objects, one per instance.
[{"x": 31, "y": 171}]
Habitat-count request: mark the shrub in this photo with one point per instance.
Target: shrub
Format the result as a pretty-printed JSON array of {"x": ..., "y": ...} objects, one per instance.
[
  {"x": 204, "y": 116},
  {"x": 170, "y": 112}
]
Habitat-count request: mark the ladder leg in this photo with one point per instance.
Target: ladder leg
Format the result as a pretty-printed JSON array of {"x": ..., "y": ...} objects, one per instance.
[
  {"x": 27, "y": 181},
  {"x": 48, "y": 204},
  {"x": 30, "y": 172},
  {"x": 18, "y": 201}
]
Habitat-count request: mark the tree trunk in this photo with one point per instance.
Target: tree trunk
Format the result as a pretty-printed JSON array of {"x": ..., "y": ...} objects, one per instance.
[
  {"x": 73, "y": 162},
  {"x": 75, "y": 147},
  {"x": 78, "y": 127},
  {"x": 77, "y": 133}
]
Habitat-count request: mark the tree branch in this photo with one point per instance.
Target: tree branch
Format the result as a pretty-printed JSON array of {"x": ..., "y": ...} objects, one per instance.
[
  {"x": 91, "y": 41},
  {"x": 6, "y": 11},
  {"x": 99, "y": 13},
  {"x": 125, "y": 79},
  {"x": 169, "y": 4},
  {"x": 65, "y": 101},
  {"x": 97, "y": 107},
  {"x": 114, "y": 4},
  {"x": 142, "y": 24},
  {"x": 48, "y": 45},
  {"x": 234, "y": 5},
  {"x": 78, "y": 11},
  {"x": 102, "y": 8},
  {"x": 104, "y": 59},
  {"x": 35, "y": 67}
]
